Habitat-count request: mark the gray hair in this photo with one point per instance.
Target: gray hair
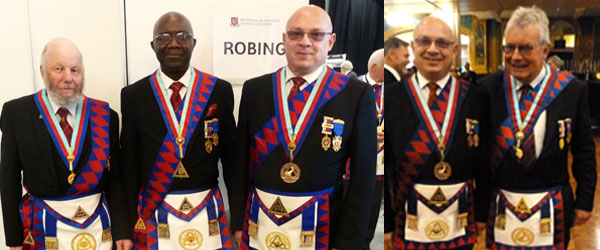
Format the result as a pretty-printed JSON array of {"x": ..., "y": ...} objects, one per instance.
[
  {"x": 556, "y": 59},
  {"x": 346, "y": 65},
  {"x": 393, "y": 43},
  {"x": 524, "y": 16},
  {"x": 376, "y": 57}
]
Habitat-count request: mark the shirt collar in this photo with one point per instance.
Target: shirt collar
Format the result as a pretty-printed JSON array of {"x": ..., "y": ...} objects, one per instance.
[
  {"x": 423, "y": 81},
  {"x": 167, "y": 81},
  {"x": 392, "y": 70},
  {"x": 309, "y": 78},
  {"x": 370, "y": 80},
  {"x": 72, "y": 108},
  {"x": 535, "y": 81}
]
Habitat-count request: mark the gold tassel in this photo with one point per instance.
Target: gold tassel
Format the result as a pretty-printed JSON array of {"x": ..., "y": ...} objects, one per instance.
[
  {"x": 500, "y": 221},
  {"x": 462, "y": 220},
  {"x": 213, "y": 227},
  {"x": 545, "y": 226},
  {"x": 51, "y": 243},
  {"x": 163, "y": 231},
  {"x": 253, "y": 230},
  {"x": 412, "y": 222},
  {"x": 106, "y": 235},
  {"x": 307, "y": 238}
]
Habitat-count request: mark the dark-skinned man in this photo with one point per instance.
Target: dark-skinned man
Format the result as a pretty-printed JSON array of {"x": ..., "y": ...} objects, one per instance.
[{"x": 177, "y": 123}]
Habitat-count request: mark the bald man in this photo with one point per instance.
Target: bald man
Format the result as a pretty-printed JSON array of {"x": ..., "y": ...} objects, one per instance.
[
  {"x": 66, "y": 145},
  {"x": 177, "y": 123},
  {"x": 297, "y": 128},
  {"x": 434, "y": 150}
]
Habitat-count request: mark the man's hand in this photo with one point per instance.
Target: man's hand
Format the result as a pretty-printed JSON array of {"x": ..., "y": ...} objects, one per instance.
[
  {"x": 387, "y": 240},
  {"x": 124, "y": 244},
  {"x": 238, "y": 237},
  {"x": 581, "y": 216},
  {"x": 16, "y": 248}
]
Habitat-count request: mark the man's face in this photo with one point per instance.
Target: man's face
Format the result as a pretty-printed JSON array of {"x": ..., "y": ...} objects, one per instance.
[
  {"x": 63, "y": 72},
  {"x": 434, "y": 48},
  {"x": 173, "y": 44},
  {"x": 403, "y": 58},
  {"x": 552, "y": 64},
  {"x": 523, "y": 54},
  {"x": 306, "y": 52}
]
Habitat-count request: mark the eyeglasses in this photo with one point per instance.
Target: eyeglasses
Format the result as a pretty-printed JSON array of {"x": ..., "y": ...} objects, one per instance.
[
  {"x": 165, "y": 38},
  {"x": 425, "y": 42},
  {"x": 315, "y": 36},
  {"x": 525, "y": 50}
]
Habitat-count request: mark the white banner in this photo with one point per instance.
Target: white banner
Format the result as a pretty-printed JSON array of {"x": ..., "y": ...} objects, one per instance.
[{"x": 246, "y": 46}]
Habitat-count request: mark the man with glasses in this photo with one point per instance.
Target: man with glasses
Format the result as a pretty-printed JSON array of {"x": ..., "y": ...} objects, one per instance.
[
  {"x": 434, "y": 149},
  {"x": 297, "y": 128},
  {"x": 177, "y": 123},
  {"x": 538, "y": 116}
]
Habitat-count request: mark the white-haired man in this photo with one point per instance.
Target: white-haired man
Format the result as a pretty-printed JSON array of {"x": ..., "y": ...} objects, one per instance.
[
  {"x": 64, "y": 143},
  {"x": 537, "y": 115},
  {"x": 346, "y": 69}
]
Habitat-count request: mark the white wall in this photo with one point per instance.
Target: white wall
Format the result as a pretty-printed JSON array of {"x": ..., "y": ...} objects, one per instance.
[{"x": 114, "y": 37}]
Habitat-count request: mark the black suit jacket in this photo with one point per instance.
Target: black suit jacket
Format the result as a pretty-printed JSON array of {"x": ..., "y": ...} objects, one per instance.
[
  {"x": 389, "y": 77},
  {"x": 321, "y": 169},
  {"x": 144, "y": 131},
  {"x": 402, "y": 122},
  {"x": 550, "y": 169},
  {"x": 27, "y": 146}
]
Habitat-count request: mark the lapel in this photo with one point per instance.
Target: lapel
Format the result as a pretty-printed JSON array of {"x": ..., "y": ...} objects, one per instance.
[
  {"x": 551, "y": 133},
  {"x": 45, "y": 144},
  {"x": 154, "y": 113}
]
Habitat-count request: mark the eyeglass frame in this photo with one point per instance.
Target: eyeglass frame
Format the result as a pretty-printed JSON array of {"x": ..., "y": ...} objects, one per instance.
[
  {"x": 440, "y": 43},
  {"x": 171, "y": 36},
  {"x": 524, "y": 50},
  {"x": 311, "y": 35}
]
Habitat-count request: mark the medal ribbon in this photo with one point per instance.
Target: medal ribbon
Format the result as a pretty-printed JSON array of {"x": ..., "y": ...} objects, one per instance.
[
  {"x": 58, "y": 136},
  {"x": 177, "y": 127},
  {"x": 519, "y": 123},
  {"x": 432, "y": 125},
  {"x": 291, "y": 132},
  {"x": 379, "y": 103}
]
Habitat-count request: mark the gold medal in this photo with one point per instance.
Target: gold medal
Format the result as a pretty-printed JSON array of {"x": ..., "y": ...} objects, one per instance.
[
  {"x": 520, "y": 135},
  {"x": 190, "y": 239},
  {"x": 71, "y": 178},
  {"x": 518, "y": 153},
  {"x": 561, "y": 143},
  {"x": 278, "y": 241},
  {"x": 80, "y": 214},
  {"x": 337, "y": 143},
  {"x": 470, "y": 141},
  {"x": 326, "y": 142},
  {"x": 476, "y": 140},
  {"x": 437, "y": 229},
  {"x": 290, "y": 172},
  {"x": 522, "y": 236},
  {"x": 442, "y": 170},
  {"x": 208, "y": 146},
  {"x": 180, "y": 171},
  {"x": 83, "y": 241},
  {"x": 215, "y": 139}
]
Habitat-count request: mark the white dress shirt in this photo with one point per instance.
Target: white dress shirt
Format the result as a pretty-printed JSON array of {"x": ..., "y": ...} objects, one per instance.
[
  {"x": 393, "y": 71},
  {"x": 185, "y": 80},
  {"x": 72, "y": 112},
  {"x": 308, "y": 78}
]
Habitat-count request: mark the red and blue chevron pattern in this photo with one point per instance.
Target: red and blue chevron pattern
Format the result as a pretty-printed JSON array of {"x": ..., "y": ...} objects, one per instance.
[
  {"x": 438, "y": 209},
  {"x": 191, "y": 214},
  {"x": 420, "y": 148},
  {"x": 272, "y": 132},
  {"x": 469, "y": 238},
  {"x": 559, "y": 226},
  {"x": 504, "y": 136},
  {"x": 99, "y": 117},
  {"x": 322, "y": 225},
  {"x": 524, "y": 216},
  {"x": 67, "y": 220},
  {"x": 153, "y": 193}
]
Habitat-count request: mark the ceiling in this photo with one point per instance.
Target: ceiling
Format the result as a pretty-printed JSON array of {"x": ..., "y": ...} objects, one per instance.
[{"x": 495, "y": 9}]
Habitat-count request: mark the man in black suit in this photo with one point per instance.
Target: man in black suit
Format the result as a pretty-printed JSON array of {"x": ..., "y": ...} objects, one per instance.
[
  {"x": 433, "y": 150},
  {"x": 538, "y": 115},
  {"x": 63, "y": 143},
  {"x": 290, "y": 159},
  {"x": 396, "y": 57},
  {"x": 177, "y": 123}
]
